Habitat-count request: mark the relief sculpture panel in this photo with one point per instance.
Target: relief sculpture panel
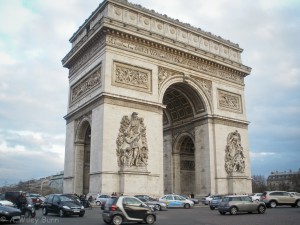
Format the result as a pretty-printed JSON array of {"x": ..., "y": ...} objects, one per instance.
[
  {"x": 83, "y": 86},
  {"x": 229, "y": 101},
  {"x": 132, "y": 77},
  {"x": 132, "y": 147},
  {"x": 234, "y": 155}
]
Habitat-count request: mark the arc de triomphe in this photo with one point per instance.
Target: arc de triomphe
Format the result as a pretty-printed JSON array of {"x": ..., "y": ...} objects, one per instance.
[{"x": 155, "y": 106}]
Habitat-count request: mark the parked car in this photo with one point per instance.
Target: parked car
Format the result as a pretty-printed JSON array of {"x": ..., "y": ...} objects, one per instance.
[
  {"x": 7, "y": 203},
  {"x": 176, "y": 201},
  {"x": 156, "y": 205},
  {"x": 209, "y": 198},
  {"x": 240, "y": 203},
  {"x": 255, "y": 196},
  {"x": 215, "y": 202},
  {"x": 62, "y": 205},
  {"x": 9, "y": 214},
  {"x": 127, "y": 209},
  {"x": 101, "y": 198},
  {"x": 196, "y": 201},
  {"x": 275, "y": 198},
  {"x": 146, "y": 197},
  {"x": 295, "y": 193}
]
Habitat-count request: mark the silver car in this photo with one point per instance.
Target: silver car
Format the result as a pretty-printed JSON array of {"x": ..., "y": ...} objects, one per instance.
[
  {"x": 240, "y": 203},
  {"x": 153, "y": 203}
]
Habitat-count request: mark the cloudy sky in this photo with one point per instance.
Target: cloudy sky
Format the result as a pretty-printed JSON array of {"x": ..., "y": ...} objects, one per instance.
[{"x": 34, "y": 38}]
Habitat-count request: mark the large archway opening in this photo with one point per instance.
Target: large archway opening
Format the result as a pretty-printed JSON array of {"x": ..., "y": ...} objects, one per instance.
[
  {"x": 183, "y": 106},
  {"x": 86, "y": 161}
]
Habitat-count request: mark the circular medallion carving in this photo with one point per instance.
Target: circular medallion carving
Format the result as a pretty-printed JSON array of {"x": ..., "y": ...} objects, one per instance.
[
  {"x": 132, "y": 17},
  {"x": 195, "y": 39},
  {"x": 225, "y": 51},
  {"x": 183, "y": 35},
  {"x": 159, "y": 26},
  {"x": 234, "y": 55},
  {"x": 216, "y": 47},
  {"x": 206, "y": 43},
  {"x": 172, "y": 31},
  {"x": 118, "y": 11},
  {"x": 146, "y": 21}
]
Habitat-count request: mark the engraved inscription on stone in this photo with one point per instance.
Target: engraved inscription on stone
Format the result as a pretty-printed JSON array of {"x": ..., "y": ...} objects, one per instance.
[
  {"x": 83, "y": 86},
  {"x": 229, "y": 101},
  {"x": 174, "y": 58},
  {"x": 132, "y": 77}
]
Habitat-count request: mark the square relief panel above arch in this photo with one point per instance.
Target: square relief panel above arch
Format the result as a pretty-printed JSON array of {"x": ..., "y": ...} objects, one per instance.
[{"x": 229, "y": 101}]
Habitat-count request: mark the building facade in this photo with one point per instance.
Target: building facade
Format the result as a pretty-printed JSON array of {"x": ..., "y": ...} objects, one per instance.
[
  {"x": 285, "y": 181},
  {"x": 155, "y": 106}
]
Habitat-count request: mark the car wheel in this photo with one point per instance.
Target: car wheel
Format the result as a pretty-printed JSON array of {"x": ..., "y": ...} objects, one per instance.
[
  {"x": 273, "y": 204},
  {"x": 98, "y": 203},
  {"x": 117, "y": 220},
  {"x": 233, "y": 211},
  {"x": 81, "y": 214},
  {"x": 150, "y": 219},
  {"x": 298, "y": 204},
  {"x": 261, "y": 209},
  {"x": 222, "y": 213},
  {"x": 45, "y": 212},
  {"x": 158, "y": 207},
  {"x": 2, "y": 219},
  {"x": 61, "y": 213},
  {"x": 212, "y": 207},
  {"x": 186, "y": 206}
]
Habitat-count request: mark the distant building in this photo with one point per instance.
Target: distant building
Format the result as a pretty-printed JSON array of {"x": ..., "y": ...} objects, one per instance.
[{"x": 286, "y": 181}]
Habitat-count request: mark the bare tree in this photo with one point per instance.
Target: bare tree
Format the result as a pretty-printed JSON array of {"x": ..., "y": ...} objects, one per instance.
[{"x": 259, "y": 184}]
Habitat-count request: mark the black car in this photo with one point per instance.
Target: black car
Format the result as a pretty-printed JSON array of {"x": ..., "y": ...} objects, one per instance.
[
  {"x": 62, "y": 205},
  {"x": 9, "y": 214},
  {"x": 127, "y": 209}
]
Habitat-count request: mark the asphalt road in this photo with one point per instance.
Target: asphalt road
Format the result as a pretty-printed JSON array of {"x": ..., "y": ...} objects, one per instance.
[{"x": 200, "y": 215}]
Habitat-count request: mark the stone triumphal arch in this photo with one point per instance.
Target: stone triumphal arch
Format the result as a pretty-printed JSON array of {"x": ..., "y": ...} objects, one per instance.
[{"x": 155, "y": 106}]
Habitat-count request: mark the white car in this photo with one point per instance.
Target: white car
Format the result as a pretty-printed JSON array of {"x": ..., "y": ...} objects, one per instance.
[
  {"x": 256, "y": 196},
  {"x": 209, "y": 198},
  {"x": 176, "y": 201},
  {"x": 6, "y": 203}
]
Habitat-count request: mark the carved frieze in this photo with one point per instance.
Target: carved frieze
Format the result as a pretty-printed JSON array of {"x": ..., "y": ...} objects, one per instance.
[
  {"x": 86, "y": 55},
  {"x": 234, "y": 155},
  {"x": 132, "y": 147},
  {"x": 206, "y": 86},
  {"x": 229, "y": 101},
  {"x": 132, "y": 77},
  {"x": 164, "y": 74},
  {"x": 83, "y": 86},
  {"x": 168, "y": 56}
]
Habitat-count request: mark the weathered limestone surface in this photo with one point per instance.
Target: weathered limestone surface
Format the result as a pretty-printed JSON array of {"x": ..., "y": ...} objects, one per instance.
[{"x": 158, "y": 104}]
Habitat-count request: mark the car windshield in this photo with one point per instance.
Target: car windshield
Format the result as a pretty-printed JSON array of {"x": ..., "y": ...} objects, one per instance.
[{"x": 65, "y": 199}]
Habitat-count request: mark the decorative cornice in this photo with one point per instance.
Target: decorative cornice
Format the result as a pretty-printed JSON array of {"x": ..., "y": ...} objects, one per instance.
[{"x": 170, "y": 55}]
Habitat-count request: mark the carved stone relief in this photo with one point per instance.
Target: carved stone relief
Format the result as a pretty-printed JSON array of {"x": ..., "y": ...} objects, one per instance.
[
  {"x": 164, "y": 74},
  {"x": 234, "y": 156},
  {"x": 173, "y": 58},
  {"x": 87, "y": 54},
  {"x": 229, "y": 101},
  {"x": 132, "y": 147},
  {"x": 206, "y": 86},
  {"x": 132, "y": 77},
  {"x": 88, "y": 83}
]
